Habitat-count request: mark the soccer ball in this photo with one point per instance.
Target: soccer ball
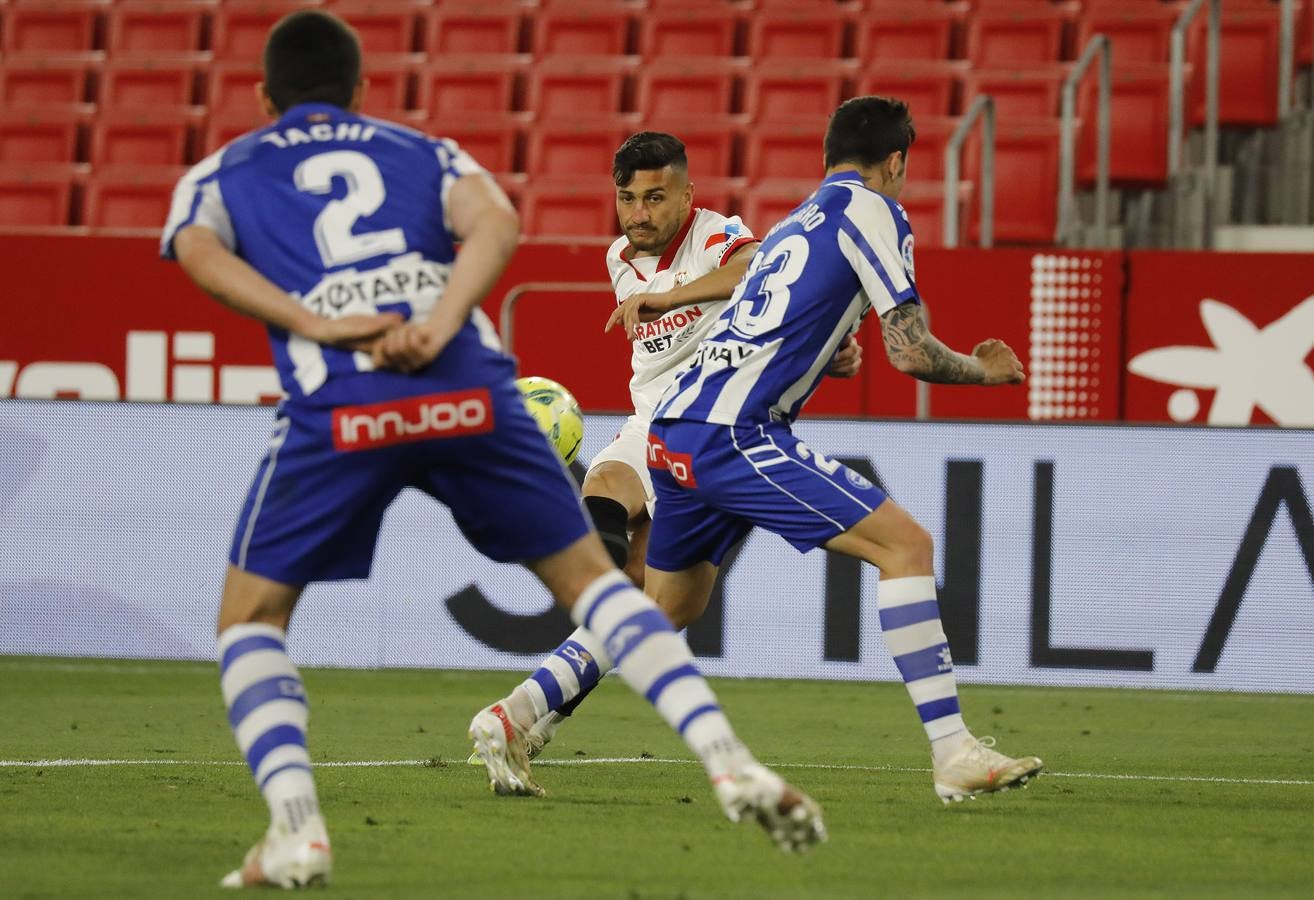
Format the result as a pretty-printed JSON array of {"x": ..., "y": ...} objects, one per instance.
[{"x": 557, "y": 413}]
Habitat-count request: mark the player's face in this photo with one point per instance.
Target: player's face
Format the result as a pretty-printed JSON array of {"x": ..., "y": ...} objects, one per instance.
[{"x": 653, "y": 206}]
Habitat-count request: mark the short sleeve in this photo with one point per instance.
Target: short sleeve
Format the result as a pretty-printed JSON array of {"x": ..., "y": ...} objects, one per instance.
[
  {"x": 720, "y": 238},
  {"x": 454, "y": 164},
  {"x": 879, "y": 247},
  {"x": 198, "y": 200}
]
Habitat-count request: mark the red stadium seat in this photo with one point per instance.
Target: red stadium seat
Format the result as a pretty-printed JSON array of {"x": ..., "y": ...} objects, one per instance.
[
  {"x": 40, "y": 135},
  {"x": 1017, "y": 37},
  {"x": 783, "y": 150},
  {"x": 1018, "y": 92},
  {"x": 575, "y": 149},
  {"x": 767, "y": 202},
  {"x": 926, "y": 156},
  {"x": 384, "y": 27},
  {"x": 68, "y": 26},
  {"x": 923, "y": 201},
  {"x": 717, "y": 194},
  {"x": 473, "y": 28},
  {"x": 1247, "y": 71},
  {"x": 231, "y": 87},
  {"x": 709, "y": 142},
  {"x": 1026, "y": 180},
  {"x": 699, "y": 31},
  {"x": 474, "y": 83},
  {"x": 155, "y": 27},
  {"x": 36, "y": 194},
  {"x": 579, "y": 208},
  {"x": 494, "y": 141},
  {"x": 129, "y": 199},
  {"x": 49, "y": 79},
  {"x": 388, "y": 82},
  {"x": 896, "y": 30},
  {"x": 241, "y": 26},
  {"x": 795, "y": 90},
  {"x": 1139, "y": 32},
  {"x": 1138, "y": 131},
  {"x": 803, "y": 31},
  {"x": 582, "y": 29},
  {"x": 142, "y": 137},
  {"x": 223, "y": 128},
  {"x": 688, "y": 87},
  {"x": 582, "y": 86},
  {"x": 145, "y": 83},
  {"x": 930, "y": 87}
]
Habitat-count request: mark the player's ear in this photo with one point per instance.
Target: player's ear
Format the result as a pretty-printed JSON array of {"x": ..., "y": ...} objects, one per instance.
[
  {"x": 266, "y": 103},
  {"x": 358, "y": 95}
]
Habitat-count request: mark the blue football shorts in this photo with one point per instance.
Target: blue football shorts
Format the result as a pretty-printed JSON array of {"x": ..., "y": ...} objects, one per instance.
[
  {"x": 317, "y": 501},
  {"x": 715, "y": 482}
]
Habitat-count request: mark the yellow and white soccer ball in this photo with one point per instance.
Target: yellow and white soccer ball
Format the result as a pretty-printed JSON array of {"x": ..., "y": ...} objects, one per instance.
[{"x": 557, "y": 413}]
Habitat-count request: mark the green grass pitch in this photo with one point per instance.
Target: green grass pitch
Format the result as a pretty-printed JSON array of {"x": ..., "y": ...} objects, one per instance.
[{"x": 1155, "y": 794}]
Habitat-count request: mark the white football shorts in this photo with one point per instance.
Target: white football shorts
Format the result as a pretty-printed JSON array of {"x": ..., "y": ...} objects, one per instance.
[{"x": 631, "y": 449}]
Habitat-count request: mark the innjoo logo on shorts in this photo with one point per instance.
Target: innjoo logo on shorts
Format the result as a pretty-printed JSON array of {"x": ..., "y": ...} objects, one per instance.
[{"x": 454, "y": 414}]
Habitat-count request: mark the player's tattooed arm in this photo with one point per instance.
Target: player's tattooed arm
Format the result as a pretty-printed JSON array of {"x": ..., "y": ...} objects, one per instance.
[{"x": 914, "y": 350}]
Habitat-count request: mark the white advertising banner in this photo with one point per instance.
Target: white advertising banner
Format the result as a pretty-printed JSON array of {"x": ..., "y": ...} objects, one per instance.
[{"x": 1169, "y": 557}]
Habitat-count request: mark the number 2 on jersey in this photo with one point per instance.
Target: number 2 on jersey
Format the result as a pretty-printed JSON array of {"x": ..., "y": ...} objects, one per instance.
[
  {"x": 767, "y": 285},
  {"x": 365, "y": 194}
]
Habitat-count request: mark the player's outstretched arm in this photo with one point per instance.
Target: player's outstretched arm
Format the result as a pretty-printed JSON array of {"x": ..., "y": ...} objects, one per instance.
[
  {"x": 485, "y": 222},
  {"x": 235, "y": 283},
  {"x": 913, "y": 350},
  {"x": 717, "y": 284}
]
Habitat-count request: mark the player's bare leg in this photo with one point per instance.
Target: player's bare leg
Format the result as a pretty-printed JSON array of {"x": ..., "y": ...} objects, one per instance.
[
  {"x": 617, "y": 502},
  {"x": 267, "y": 709},
  {"x": 657, "y": 664},
  {"x": 963, "y": 766}
]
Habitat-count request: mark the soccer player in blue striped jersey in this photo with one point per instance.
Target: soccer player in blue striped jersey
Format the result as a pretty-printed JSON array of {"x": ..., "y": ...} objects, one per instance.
[
  {"x": 338, "y": 231},
  {"x": 722, "y": 456}
]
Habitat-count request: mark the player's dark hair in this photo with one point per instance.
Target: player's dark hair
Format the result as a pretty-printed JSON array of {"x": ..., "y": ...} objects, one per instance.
[
  {"x": 647, "y": 150},
  {"x": 866, "y": 130},
  {"x": 311, "y": 56}
]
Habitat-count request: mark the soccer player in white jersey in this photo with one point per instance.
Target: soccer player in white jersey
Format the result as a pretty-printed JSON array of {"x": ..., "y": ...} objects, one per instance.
[
  {"x": 723, "y": 458},
  {"x": 339, "y": 232},
  {"x": 673, "y": 270}
]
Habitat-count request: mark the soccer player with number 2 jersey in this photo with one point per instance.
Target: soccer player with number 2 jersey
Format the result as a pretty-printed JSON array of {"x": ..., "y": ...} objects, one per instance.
[{"x": 338, "y": 231}]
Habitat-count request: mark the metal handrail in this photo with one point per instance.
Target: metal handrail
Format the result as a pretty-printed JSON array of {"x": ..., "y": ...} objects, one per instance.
[
  {"x": 1067, "y": 211},
  {"x": 1177, "y": 92},
  {"x": 1286, "y": 57},
  {"x": 982, "y": 107},
  {"x": 506, "y": 318}
]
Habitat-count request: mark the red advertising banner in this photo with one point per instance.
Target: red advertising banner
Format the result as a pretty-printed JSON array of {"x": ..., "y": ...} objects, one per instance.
[
  {"x": 1145, "y": 336},
  {"x": 1222, "y": 338}
]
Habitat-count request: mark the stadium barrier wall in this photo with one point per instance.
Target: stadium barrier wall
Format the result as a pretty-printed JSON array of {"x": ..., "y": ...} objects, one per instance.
[
  {"x": 1225, "y": 338},
  {"x": 1135, "y": 556}
]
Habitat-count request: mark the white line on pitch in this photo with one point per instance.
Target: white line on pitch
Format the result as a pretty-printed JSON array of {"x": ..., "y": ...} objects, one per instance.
[{"x": 402, "y": 763}]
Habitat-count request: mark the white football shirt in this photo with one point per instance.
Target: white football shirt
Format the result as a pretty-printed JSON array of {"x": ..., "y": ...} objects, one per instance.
[{"x": 704, "y": 243}]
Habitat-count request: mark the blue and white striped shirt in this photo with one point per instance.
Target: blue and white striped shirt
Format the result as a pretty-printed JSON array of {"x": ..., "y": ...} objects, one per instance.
[{"x": 842, "y": 252}]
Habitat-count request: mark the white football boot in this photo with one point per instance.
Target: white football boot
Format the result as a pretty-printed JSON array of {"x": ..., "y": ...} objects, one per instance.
[
  {"x": 790, "y": 817},
  {"x": 536, "y": 738},
  {"x": 502, "y": 747},
  {"x": 979, "y": 769},
  {"x": 286, "y": 859}
]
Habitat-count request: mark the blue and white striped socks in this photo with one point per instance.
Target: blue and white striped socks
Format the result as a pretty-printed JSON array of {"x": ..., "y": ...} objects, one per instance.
[
  {"x": 267, "y": 710},
  {"x": 572, "y": 669},
  {"x": 910, "y": 621},
  {"x": 656, "y": 663}
]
